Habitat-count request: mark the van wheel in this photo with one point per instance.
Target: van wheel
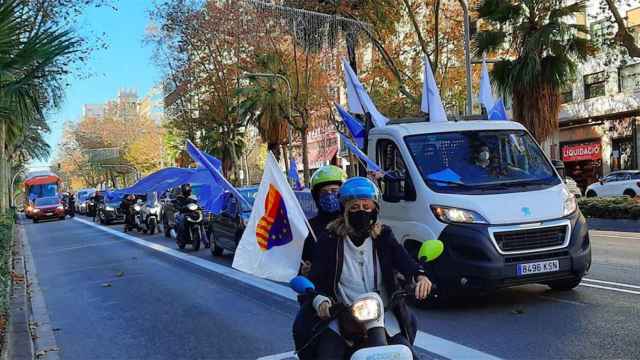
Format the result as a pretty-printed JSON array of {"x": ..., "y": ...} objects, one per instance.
[
  {"x": 591, "y": 194},
  {"x": 629, "y": 193},
  {"x": 565, "y": 284}
]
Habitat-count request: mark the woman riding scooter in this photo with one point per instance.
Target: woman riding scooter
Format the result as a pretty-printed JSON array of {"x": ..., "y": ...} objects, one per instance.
[{"x": 358, "y": 255}]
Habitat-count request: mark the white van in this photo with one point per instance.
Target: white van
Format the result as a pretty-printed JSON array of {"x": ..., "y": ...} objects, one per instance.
[{"x": 487, "y": 190}]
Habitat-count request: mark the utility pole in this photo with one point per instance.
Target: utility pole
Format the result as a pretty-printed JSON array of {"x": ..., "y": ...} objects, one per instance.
[{"x": 467, "y": 55}]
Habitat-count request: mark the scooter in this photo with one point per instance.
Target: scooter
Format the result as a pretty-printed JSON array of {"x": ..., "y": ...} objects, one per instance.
[
  {"x": 132, "y": 218},
  {"x": 191, "y": 220},
  {"x": 368, "y": 310},
  {"x": 150, "y": 214},
  {"x": 137, "y": 215}
]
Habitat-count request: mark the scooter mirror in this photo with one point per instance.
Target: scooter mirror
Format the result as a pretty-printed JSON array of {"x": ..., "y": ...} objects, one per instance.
[
  {"x": 301, "y": 285},
  {"x": 430, "y": 250}
]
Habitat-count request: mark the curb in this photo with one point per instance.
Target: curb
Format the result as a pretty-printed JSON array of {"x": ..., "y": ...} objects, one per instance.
[
  {"x": 18, "y": 344},
  {"x": 44, "y": 341}
]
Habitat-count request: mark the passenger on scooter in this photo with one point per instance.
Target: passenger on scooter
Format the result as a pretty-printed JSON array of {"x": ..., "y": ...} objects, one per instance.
[
  {"x": 182, "y": 200},
  {"x": 325, "y": 184},
  {"x": 357, "y": 255}
]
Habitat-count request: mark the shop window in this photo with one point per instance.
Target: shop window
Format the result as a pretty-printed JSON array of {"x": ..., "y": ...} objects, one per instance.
[
  {"x": 566, "y": 94},
  {"x": 594, "y": 85},
  {"x": 629, "y": 76},
  {"x": 398, "y": 185}
]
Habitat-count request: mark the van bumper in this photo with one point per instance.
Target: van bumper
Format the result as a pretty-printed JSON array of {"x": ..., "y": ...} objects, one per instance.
[{"x": 471, "y": 261}]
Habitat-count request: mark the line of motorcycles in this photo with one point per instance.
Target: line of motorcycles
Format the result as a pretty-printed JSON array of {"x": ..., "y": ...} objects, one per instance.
[{"x": 182, "y": 222}]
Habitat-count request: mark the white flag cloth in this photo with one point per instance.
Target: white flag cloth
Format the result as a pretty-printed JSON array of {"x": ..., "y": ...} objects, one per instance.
[
  {"x": 358, "y": 98},
  {"x": 431, "y": 102},
  {"x": 271, "y": 245},
  {"x": 486, "y": 95}
]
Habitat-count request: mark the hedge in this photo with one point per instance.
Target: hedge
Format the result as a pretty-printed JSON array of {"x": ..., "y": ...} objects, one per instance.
[
  {"x": 6, "y": 238},
  {"x": 610, "y": 208}
]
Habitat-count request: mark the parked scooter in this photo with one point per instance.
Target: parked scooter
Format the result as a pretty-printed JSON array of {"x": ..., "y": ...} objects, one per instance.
[
  {"x": 368, "y": 310},
  {"x": 150, "y": 214},
  {"x": 189, "y": 222}
]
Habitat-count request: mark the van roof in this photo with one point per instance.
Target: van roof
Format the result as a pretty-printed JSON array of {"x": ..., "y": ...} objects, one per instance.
[{"x": 412, "y": 128}]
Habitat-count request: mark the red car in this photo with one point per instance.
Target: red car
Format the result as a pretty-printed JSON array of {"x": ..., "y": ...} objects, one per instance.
[{"x": 50, "y": 207}]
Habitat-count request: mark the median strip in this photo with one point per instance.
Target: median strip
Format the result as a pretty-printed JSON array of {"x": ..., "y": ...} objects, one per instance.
[{"x": 425, "y": 341}]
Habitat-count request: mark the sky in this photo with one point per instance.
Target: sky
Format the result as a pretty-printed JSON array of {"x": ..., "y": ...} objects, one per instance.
[{"x": 125, "y": 64}]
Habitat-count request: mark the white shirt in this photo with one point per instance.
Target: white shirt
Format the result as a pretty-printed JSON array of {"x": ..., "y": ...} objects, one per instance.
[{"x": 357, "y": 278}]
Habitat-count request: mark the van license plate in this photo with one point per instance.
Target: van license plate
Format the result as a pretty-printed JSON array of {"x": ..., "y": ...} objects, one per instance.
[{"x": 538, "y": 267}]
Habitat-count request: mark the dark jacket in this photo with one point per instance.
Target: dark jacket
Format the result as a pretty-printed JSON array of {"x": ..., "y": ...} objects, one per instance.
[
  {"x": 319, "y": 225},
  {"x": 327, "y": 263}
]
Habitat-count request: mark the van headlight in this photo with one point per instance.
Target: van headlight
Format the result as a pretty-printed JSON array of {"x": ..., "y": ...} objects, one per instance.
[
  {"x": 455, "y": 215},
  {"x": 366, "y": 309},
  {"x": 570, "y": 205}
]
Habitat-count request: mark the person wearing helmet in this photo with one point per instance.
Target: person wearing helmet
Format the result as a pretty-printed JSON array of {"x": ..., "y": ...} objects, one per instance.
[
  {"x": 183, "y": 199},
  {"x": 357, "y": 255},
  {"x": 126, "y": 207},
  {"x": 325, "y": 184}
]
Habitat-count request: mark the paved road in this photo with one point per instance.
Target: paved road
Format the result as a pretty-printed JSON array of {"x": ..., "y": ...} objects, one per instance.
[{"x": 111, "y": 298}]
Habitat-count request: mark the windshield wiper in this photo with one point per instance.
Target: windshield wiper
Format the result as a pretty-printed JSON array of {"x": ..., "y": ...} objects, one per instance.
[{"x": 448, "y": 182}]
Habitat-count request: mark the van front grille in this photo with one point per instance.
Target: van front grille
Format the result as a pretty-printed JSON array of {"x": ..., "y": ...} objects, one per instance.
[{"x": 531, "y": 239}]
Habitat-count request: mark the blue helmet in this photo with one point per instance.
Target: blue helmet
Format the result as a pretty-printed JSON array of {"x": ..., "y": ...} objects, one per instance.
[{"x": 359, "y": 188}]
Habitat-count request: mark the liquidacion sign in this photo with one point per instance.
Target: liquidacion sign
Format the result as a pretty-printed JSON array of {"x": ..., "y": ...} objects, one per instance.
[{"x": 581, "y": 152}]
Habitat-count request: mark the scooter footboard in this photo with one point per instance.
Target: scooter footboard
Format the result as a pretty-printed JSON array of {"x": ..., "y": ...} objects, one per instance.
[{"x": 395, "y": 352}]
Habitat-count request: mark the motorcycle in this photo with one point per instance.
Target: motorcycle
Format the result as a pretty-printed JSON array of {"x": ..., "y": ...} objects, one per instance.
[
  {"x": 368, "y": 310},
  {"x": 132, "y": 219},
  {"x": 190, "y": 219},
  {"x": 150, "y": 214}
]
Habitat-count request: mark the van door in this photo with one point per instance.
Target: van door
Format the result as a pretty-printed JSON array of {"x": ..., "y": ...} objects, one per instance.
[{"x": 399, "y": 207}]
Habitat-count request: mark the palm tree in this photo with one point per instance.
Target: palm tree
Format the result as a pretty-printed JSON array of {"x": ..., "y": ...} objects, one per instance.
[
  {"x": 29, "y": 68},
  {"x": 540, "y": 49},
  {"x": 264, "y": 104}
]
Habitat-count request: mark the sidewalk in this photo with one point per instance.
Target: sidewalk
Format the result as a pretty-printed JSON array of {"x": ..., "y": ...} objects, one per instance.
[{"x": 622, "y": 225}]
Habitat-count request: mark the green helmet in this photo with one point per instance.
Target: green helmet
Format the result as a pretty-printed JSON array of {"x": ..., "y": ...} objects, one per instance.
[{"x": 327, "y": 174}]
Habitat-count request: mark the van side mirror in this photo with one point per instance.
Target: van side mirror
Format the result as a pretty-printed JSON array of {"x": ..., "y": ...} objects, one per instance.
[{"x": 430, "y": 250}]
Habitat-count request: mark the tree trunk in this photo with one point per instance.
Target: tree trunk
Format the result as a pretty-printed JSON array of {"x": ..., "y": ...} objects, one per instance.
[
  {"x": 285, "y": 157},
  {"x": 235, "y": 161},
  {"x": 275, "y": 149},
  {"x": 3, "y": 174},
  {"x": 305, "y": 155}
]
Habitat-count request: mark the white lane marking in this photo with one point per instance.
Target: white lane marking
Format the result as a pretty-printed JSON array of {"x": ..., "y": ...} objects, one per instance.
[
  {"x": 427, "y": 342},
  {"x": 612, "y": 283},
  {"x": 611, "y": 288},
  {"x": 282, "y": 356},
  {"x": 612, "y": 234}
]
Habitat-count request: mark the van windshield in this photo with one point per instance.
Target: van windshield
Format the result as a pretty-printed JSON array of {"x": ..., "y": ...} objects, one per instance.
[{"x": 481, "y": 162}]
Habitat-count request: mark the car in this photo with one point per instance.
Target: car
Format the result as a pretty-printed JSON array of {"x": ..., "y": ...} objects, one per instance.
[
  {"x": 49, "y": 207},
  {"x": 572, "y": 186},
  {"x": 82, "y": 198},
  {"x": 617, "y": 183},
  {"x": 108, "y": 211},
  {"x": 225, "y": 229}
]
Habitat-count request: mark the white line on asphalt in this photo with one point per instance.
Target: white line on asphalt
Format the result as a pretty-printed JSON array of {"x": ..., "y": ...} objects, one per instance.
[
  {"x": 611, "y": 288},
  {"x": 430, "y": 343},
  {"x": 612, "y": 234},
  {"x": 612, "y": 283},
  {"x": 286, "y": 355}
]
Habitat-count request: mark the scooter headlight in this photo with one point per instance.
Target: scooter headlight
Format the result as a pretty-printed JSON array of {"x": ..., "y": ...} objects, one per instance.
[
  {"x": 108, "y": 208},
  {"x": 366, "y": 309},
  {"x": 570, "y": 205},
  {"x": 192, "y": 207},
  {"x": 137, "y": 207}
]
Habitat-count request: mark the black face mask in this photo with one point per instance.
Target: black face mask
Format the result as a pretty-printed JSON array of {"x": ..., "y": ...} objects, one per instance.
[{"x": 361, "y": 221}]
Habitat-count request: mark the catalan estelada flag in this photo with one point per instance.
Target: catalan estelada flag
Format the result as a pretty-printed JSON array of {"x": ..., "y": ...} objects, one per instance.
[
  {"x": 273, "y": 227},
  {"x": 272, "y": 242}
]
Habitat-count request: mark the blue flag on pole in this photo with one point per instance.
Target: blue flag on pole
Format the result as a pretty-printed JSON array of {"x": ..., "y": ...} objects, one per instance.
[
  {"x": 202, "y": 160},
  {"x": 371, "y": 165},
  {"x": 498, "y": 112},
  {"x": 293, "y": 175},
  {"x": 354, "y": 126}
]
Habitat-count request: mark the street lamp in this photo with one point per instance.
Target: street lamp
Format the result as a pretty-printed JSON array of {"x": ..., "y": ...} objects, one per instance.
[
  {"x": 283, "y": 78},
  {"x": 467, "y": 54}
]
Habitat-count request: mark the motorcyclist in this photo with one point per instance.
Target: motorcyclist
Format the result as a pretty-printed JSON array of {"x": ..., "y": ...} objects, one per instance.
[
  {"x": 356, "y": 255},
  {"x": 126, "y": 205},
  {"x": 325, "y": 184},
  {"x": 182, "y": 200},
  {"x": 71, "y": 204}
]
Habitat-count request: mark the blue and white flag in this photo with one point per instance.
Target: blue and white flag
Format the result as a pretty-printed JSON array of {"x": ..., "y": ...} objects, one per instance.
[
  {"x": 371, "y": 165},
  {"x": 355, "y": 127},
  {"x": 486, "y": 95},
  {"x": 358, "y": 98},
  {"x": 202, "y": 160},
  {"x": 498, "y": 112},
  {"x": 431, "y": 102},
  {"x": 293, "y": 175}
]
